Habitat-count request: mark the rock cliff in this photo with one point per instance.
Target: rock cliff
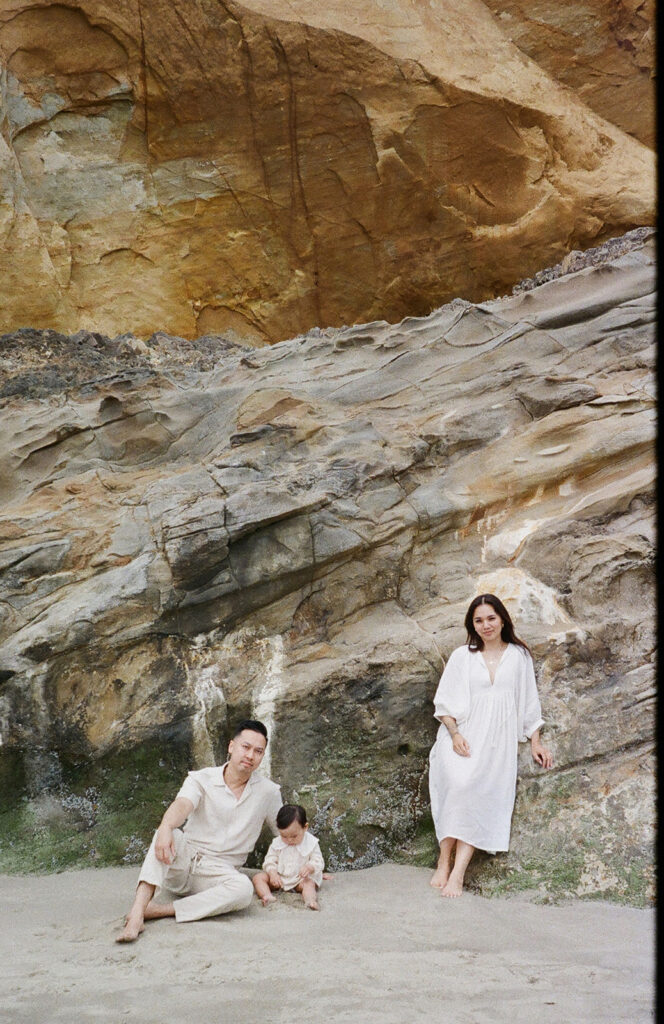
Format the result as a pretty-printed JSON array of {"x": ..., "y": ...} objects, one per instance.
[
  {"x": 262, "y": 168},
  {"x": 196, "y": 531},
  {"x": 602, "y": 49}
]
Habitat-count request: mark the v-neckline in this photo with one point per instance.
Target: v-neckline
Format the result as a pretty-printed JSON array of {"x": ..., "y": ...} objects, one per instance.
[{"x": 492, "y": 681}]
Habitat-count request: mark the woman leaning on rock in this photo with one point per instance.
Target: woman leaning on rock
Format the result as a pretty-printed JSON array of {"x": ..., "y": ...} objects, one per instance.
[{"x": 487, "y": 703}]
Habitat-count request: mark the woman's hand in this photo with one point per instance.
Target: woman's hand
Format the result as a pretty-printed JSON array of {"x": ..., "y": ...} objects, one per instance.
[
  {"x": 460, "y": 745},
  {"x": 541, "y": 755}
]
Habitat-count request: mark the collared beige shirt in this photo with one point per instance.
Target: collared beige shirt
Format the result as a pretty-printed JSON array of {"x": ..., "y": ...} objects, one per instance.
[{"x": 223, "y": 826}]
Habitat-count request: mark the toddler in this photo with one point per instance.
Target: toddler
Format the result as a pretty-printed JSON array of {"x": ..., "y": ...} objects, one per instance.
[{"x": 293, "y": 860}]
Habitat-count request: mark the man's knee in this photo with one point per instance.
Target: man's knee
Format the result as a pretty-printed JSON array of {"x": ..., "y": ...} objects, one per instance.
[
  {"x": 245, "y": 891},
  {"x": 173, "y": 876},
  {"x": 235, "y": 892}
]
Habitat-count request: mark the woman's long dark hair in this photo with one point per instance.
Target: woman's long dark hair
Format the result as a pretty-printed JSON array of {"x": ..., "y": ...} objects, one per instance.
[{"x": 507, "y": 634}]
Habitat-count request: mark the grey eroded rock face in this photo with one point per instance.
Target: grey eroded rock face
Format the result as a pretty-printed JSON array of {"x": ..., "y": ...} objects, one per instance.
[{"x": 196, "y": 531}]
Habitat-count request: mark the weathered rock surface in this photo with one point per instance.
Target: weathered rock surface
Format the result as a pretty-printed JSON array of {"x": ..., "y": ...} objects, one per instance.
[
  {"x": 190, "y": 535},
  {"x": 602, "y": 49},
  {"x": 258, "y": 169}
]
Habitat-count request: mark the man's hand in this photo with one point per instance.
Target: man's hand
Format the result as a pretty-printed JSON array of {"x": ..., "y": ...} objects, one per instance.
[
  {"x": 175, "y": 815},
  {"x": 460, "y": 745},
  {"x": 274, "y": 880},
  {"x": 164, "y": 846}
]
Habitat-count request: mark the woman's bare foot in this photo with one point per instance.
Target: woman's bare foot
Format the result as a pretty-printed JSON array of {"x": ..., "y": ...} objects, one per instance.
[
  {"x": 446, "y": 858},
  {"x": 440, "y": 876},
  {"x": 453, "y": 887},
  {"x": 462, "y": 858}
]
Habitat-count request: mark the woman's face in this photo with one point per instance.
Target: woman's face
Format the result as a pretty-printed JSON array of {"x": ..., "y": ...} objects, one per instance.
[{"x": 487, "y": 622}]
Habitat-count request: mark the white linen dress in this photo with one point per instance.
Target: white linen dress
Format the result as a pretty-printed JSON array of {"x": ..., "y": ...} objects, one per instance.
[{"x": 472, "y": 798}]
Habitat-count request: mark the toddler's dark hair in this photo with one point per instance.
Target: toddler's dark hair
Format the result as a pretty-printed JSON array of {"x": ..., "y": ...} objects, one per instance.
[{"x": 289, "y": 813}]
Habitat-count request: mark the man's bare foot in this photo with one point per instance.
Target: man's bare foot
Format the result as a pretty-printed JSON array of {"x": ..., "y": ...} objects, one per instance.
[
  {"x": 440, "y": 876},
  {"x": 154, "y": 911},
  {"x": 268, "y": 898},
  {"x": 452, "y": 889},
  {"x": 134, "y": 919},
  {"x": 132, "y": 930}
]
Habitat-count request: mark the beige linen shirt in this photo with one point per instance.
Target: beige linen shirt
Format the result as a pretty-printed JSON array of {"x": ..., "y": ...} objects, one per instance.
[{"x": 223, "y": 826}]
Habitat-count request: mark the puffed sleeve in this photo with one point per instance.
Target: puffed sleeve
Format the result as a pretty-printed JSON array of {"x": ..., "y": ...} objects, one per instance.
[
  {"x": 271, "y": 858},
  {"x": 530, "y": 711},
  {"x": 316, "y": 858},
  {"x": 453, "y": 695}
]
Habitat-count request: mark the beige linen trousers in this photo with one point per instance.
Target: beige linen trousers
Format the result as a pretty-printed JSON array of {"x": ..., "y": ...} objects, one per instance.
[{"x": 209, "y": 885}]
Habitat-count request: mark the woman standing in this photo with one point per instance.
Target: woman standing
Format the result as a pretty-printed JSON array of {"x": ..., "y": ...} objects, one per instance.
[{"x": 487, "y": 703}]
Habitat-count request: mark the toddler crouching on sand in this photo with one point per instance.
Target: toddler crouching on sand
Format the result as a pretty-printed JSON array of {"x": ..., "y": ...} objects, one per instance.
[{"x": 293, "y": 860}]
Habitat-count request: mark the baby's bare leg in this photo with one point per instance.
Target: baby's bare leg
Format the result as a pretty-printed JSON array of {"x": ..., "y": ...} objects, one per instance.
[
  {"x": 309, "y": 893},
  {"x": 262, "y": 887}
]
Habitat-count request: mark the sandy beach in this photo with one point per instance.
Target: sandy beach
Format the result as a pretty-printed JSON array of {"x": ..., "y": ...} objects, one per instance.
[{"x": 385, "y": 948}]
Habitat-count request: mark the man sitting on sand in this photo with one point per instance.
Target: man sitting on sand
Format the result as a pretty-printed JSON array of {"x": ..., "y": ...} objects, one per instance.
[{"x": 225, "y": 809}]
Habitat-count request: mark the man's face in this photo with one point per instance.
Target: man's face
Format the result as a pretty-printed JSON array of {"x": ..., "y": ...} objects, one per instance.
[{"x": 245, "y": 752}]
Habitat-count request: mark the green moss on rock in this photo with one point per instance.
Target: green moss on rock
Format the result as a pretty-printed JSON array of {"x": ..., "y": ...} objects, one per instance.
[{"x": 103, "y": 812}]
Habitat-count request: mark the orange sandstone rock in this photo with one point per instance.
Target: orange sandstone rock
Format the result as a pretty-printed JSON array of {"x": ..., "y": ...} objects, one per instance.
[
  {"x": 254, "y": 170},
  {"x": 602, "y": 49}
]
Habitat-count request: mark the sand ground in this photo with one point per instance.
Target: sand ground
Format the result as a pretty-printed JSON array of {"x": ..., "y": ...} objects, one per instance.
[{"x": 384, "y": 949}]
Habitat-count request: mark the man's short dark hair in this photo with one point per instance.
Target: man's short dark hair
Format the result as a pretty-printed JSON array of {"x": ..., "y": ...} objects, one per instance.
[
  {"x": 289, "y": 813},
  {"x": 252, "y": 725}
]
